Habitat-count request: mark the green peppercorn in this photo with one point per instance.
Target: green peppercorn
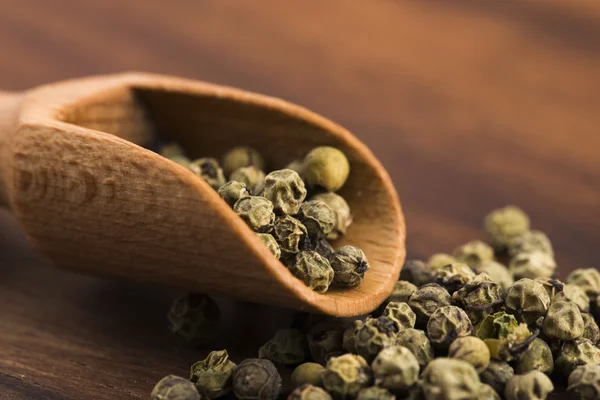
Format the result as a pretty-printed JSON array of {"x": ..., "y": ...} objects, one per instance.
[
  {"x": 480, "y": 297},
  {"x": 309, "y": 392},
  {"x": 454, "y": 276},
  {"x": 374, "y": 335},
  {"x": 575, "y": 353},
  {"x": 343, "y": 216},
  {"x": 256, "y": 379},
  {"x": 402, "y": 291},
  {"x": 503, "y": 224},
  {"x": 472, "y": 350},
  {"x": 497, "y": 374},
  {"x": 326, "y": 167},
  {"x": 194, "y": 317},
  {"x": 529, "y": 242},
  {"x": 286, "y": 347},
  {"x": 232, "y": 191},
  {"x": 325, "y": 340},
  {"x": 252, "y": 177},
  {"x": 532, "y": 265},
  {"x": 375, "y": 393},
  {"x": 528, "y": 300},
  {"x": 212, "y": 376},
  {"x": 537, "y": 357},
  {"x": 446, "y": 325},
  {"x": 590, "y": 328},
  {"x": 313, "y": 270},
  {"x": 417, "y": 273},
  {"x": 428, "y": 298},
  {"x": 257, "y": 212},
  {"x": 563, "y": 321},
  {"x": 171, "y": 149},
  {"x": 395, "y": 368},
  {"x": 296, "y": 165},
  {"x": 173, "y": 387},
  {"x": 291, "y": 234},
  {"x": 308, "y": 373},
  {"x": 474, "y": 253},
  {"x": 270, "y": 243},
  {"x": 588, "y": 279},
  {"x": 417, "y": 342},
  {"x": 513, "y": 345},
  {"x": 285, "y": 189},
  {"x": 346, "y": 375},
  {"x": 486, "y": 392},
  {"x": 448, "y": 379},
  {"x": 349, "y": 264},
  {"x": 533, "y": 385},
  {"x": 209, "y": 170},
  {"x": 584, "y": 382},
  {"x": 400, "y": 314},
  {"x": 349, "y": 337},
  {"x": 242, "y": 156},
  {"x": 439, "y": 260},
  {"x": 497, "y": 272},
  {"x": 322, "y": 247},
  {"x": 575, "y": 294},
  {"x": 318, "y": 218},
  {"x": 181, "y": 160}
]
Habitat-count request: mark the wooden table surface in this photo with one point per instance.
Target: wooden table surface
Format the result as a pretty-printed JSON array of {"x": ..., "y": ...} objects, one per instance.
[{"x": 470, "y": 105}]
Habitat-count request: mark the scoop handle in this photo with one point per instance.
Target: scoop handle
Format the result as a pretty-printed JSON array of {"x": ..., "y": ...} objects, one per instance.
[{"x": 9, "y": 114}]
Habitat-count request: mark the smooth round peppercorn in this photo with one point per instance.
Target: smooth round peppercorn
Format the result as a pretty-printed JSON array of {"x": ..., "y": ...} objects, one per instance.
[
  {"x": 318, "y": 218},
  {"x": 291, "y": 234},
  {"x": 428, "y": 298},
  {"x": 446, "y": 325},
  {"x": 563, "y": 321},
  {"x": 439, "y": 260},
  {"x": 349, "y": 264},
  {"x": 344, "y": 376},
  {"x": 497, "y": 374},
  {"x": 326, "y": 167},
  {"x": 503, "y": 224},
  {"x": 286, "y": 347},
  {"x": 194, "y": 317},
  {"x": 480, "y": 297},
  {"x": 375, "y": 393},
  {"x": 575, "y": 353},
  {"x": 591, "y": 330},
  {"x": 374, "y": 335},
  {"x": 395, "y": 368},
  {"x": 497, "y": 272},
  {"x": 532, "y": 265},
  {"x": 341, "y": 209},
  {"x": 252, "y": 177},
  {"x": 454, "y": 276},
  {"x": 417, "y": 273},
  {"x": 417, "y": 342},
  {"x": 242, "y": 156},
  {"x": 533, "y": 385},
  {"x": 588, "y": 279},
  {"x": 584, "y": 382},
  {"x": 474, "y": 253},
  {"x": 314, "y": 270},
  {"x": 256, "y": 379},
  {"x": 325, "y": 340},
  {"x": 257, "y": 212},
  {"x": 286, "y": 190},
  {"x": 209, "y": 170},
  {"x": 270, "y": 243},
  {"x": 527, "y": 299},
  {"x": 400, "y": 314},
  {"x": 472, "y": 350},
  {"x": 529, "y": 242},
  {"x": 173, "y": 387},
  {"x": 537, "y": 357},
  {"x": 448, "y": 379},
  {"x": 309, "y": 392},
  {"x": 212, "y": 376},
  {"x": 307, "y": 373},
  {"x": 232, "y": 191}
]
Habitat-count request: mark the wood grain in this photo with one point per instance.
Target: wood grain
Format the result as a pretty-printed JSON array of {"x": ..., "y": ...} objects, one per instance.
[{"x": 469, "y": 105}]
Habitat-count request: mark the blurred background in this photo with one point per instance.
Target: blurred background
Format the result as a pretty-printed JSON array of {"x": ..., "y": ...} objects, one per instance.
[{"x": 470, "y": 105}]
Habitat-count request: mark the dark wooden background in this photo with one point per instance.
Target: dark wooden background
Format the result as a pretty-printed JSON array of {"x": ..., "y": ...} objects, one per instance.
[{"x": 470, "y": 105}]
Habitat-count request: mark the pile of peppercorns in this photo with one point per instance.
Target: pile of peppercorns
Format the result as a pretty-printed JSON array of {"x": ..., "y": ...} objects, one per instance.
[
  {"x": 295, "y": 231},
  {"x": 460, "y": 326}
]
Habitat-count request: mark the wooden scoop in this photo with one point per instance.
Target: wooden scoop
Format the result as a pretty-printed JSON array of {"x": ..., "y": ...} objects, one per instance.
[{"x": 76, "y": 173}]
